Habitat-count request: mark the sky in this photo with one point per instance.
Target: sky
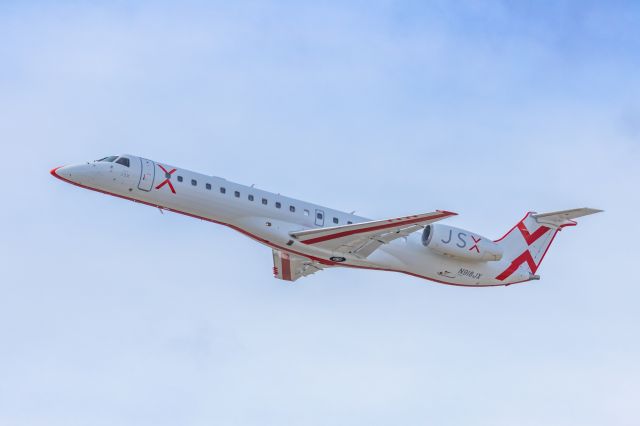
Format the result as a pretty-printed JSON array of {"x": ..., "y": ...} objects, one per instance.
[{"x": 114, "y": 314}]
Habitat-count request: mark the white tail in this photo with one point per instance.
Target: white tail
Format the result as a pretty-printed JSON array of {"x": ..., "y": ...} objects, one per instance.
[{"x": 526, "y": 244}]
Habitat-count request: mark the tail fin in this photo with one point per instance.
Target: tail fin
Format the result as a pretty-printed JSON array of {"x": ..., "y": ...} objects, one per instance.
[{"x": 526, "y": 244}]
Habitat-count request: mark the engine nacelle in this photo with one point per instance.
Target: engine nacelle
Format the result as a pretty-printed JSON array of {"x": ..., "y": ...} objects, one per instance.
[{"x": 455, "y": 242}]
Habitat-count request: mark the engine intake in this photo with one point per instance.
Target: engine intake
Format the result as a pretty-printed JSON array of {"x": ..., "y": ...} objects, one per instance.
[{"x": 459, "y": 243}]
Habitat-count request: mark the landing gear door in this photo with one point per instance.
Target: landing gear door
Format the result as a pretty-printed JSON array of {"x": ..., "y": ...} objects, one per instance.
[
  {"x": 147, "y": 174},
  {"x": 319, "y": 217}
]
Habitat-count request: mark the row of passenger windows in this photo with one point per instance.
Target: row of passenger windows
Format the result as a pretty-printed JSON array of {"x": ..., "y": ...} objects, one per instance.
[
  {"x": 125, "y": 162},
  {"x": 264, "y": 201}
]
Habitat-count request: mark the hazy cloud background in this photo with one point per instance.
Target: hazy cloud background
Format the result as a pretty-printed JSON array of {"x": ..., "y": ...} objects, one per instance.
[{"x": 113, "y": 314}]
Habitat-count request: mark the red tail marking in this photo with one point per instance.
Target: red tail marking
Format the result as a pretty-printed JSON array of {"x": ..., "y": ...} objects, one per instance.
[
  {"x": 167, "y": 181},
  {"x": 475, "y": 246},
  {"x": 531, "y": 238},
  {"x": 526, "y": 255}
]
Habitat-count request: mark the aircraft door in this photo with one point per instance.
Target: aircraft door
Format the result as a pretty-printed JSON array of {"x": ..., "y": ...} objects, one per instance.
[
  {"x": 319, "y": 217},
  {"x": 147, "y": 174}
]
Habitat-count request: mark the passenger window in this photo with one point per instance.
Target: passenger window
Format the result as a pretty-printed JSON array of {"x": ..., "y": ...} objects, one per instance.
[
  {"x": 306, "y": 212},
  {"x": 194, "y": 182},
  {"x": 124, "y": 161},
  {"x": 278, "y": 205},
  {"x": 208, "y": 186},
  {"x": 179, "y": 178},
  {"x": 292, "y": 209},
  {"x": 250, "y": 197},
  {"x": 335, "y": 220},
  {"x": 264, "y": 201},
  {"x": 319, "y": 215},
  {"x": 223, "y": 190},
  {"x": 349, "y": 222},
  {"x": 237, "y": 194}
]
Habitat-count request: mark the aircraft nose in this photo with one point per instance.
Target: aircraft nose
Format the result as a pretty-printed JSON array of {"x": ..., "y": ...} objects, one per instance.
[
  {"x": 73, "y": 174},
  {"x": 55, "y": 172},
  {"x": 62, "y": 172}
]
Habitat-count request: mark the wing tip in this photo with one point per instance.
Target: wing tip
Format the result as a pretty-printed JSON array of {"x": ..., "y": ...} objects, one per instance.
[{"x": 592, "y": 210}]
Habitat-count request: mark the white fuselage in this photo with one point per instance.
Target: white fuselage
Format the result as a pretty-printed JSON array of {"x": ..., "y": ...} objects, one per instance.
[{"x": 269, "y": 218}]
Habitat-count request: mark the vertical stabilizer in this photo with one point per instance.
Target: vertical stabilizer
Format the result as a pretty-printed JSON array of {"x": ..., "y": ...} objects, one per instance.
[{"x": 526, "y": 244}]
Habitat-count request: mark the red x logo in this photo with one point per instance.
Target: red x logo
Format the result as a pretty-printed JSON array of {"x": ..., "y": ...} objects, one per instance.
[
  {"x": 475, "y": 246},
  {"x": 167, "y": 181},
  {"x": 526, "y": 255}
]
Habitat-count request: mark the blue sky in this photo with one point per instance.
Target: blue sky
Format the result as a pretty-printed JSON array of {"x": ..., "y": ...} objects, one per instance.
[{"x": 114, "y": 314}]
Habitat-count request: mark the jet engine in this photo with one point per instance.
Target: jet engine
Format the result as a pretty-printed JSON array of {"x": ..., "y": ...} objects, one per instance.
[{"x": 459, "y": 243}]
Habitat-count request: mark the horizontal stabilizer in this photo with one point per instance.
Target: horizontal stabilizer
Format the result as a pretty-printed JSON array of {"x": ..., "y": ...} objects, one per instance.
[{"x": 564, "y": 217}]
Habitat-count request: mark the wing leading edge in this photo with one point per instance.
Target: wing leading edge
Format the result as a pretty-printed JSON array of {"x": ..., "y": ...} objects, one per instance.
[{"x": 564, "y": 217}]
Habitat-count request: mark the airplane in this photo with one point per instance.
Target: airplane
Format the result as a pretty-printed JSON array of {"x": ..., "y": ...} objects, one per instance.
[{"x": 306, "y": 238}]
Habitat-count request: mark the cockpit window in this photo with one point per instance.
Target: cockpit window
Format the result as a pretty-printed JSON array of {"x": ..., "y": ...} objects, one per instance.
[
  {"x": 124, "y": 161},
  {"x": 109, "y": 159}
]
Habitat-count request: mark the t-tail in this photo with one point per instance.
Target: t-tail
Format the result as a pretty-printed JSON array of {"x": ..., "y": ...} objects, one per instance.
[{"x": 526, "y": 244}]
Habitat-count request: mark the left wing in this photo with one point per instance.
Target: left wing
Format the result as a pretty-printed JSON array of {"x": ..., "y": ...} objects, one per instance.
[
  {"x": 290, "y": 267},
  {"x": 362, "y": 239}
]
